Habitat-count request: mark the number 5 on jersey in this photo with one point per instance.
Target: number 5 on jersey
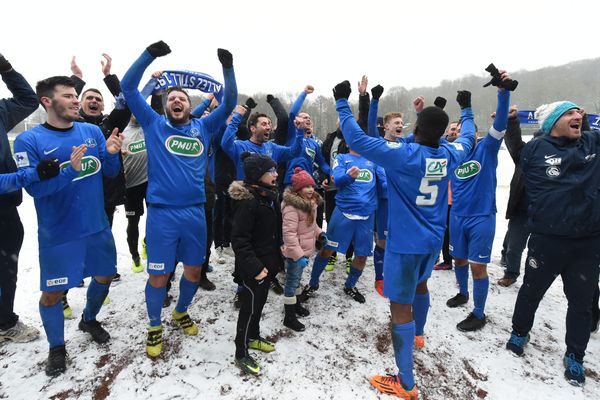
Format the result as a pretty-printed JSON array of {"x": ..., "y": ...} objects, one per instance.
[{"x": 435, "y": 170}]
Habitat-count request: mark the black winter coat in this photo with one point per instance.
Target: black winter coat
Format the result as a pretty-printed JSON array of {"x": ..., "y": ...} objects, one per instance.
[
  {"x": 517, "y": 201},
  {"x": 256, "y": 235}
]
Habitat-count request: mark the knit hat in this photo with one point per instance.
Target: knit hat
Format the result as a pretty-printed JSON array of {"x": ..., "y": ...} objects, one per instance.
[
  {"x": 255, "y": 166},
  {"x": 432, "y": 121},
  {"x": 548, "y": 114},
  {"x": 301, "y": 179}
]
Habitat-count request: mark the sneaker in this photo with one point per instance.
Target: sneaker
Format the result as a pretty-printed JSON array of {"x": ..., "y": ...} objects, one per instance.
[
  {"x": 276, "y": 286},
  {"x": 457, "y": 300},
  {"x": 516, "y": 343},
  {"x": 137, "y": 265},
  {"x": 355, "y": 294},
  {"x": 57, "y": 361},
  {"x": 506, "y": 281},
  {"x": 237, "y": 303},
  {"x": 144, "y": 254},
  {"x": 331, "y": 263},
  {"x": 248, "y": 365},
  {"x": 209, "y": 268},
  {"x": 67, "y": 311},
  {"x": 471, "y": 323},
  {"x": 167, "y": 301},
  {"x": 219, "y": 255},
  {"x": 154, "y": 341},
  {"x": 185, "y": 322},
  {"x": 262, "y": 345},
  {"x": 442, "y": 267},
  {"x": 574, "y": 371},
  {"x": 106, "y": 301},
  {"x": 206, "y": 284},
  {"x": 19, "y": 333},
  {"x": 116, "y": 277},
  {"x": 419, "y": 342},
  {"x": 390, "y": 384},
  {"x": 348, "y": 264},
  {"x": 379, "y": 287},
  {"x": 94, "y": 328}
]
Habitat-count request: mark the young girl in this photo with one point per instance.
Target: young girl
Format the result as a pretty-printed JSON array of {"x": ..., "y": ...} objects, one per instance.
[{"x": 300, "y": 234}]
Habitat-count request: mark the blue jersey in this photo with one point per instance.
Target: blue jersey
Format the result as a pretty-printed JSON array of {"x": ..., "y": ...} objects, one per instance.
[
  {"x": 356, "y": 196},
  {"x": 234, "y": 148},
  {"x": 417, "y": 181},
  {"x": 70, "y": 206},
  {"x": 311, "y": 153},
  {"x": 177, "y": 154},
  {"x": 17, "y": 180},
  {"x": 474, "y": 181}
]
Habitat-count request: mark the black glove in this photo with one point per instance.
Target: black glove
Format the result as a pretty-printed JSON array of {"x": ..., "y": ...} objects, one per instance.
[
  {"x": 321, "y": 241},
  {"x": 4, "y": 64},
  {"x": 342, "y": 90},
  {"x": 463, "y": 98},
  {"x": 47, "y": 169},
  {"x": 497, "y": 81},
  {"x": 250, "y": 103},
  {"x": 376, "y": 92},
  {"x": 440, "y": 102},
  {"x": 270, "y": 98},
  {"x": 158, "y": 49},
  {"x": 225, "y": 58}
]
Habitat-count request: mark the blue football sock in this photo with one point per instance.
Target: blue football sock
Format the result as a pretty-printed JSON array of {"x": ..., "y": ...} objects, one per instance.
[
  {"x": 155, "y": 298},
  {"x": 462, "y": 277},
  {"x": 96, "y": 294},
  {"x": 480, "y": 292},
  {"x": 353, "y": 277},
  {"x": 54, "y": 324},
  {"x": 317, "y": 270},
  {"x": 187, "y": 290},
  {"x": 420, "y": 311},
  {"x": 403, "y": 337},
  {"x": 378, "y": 254}
]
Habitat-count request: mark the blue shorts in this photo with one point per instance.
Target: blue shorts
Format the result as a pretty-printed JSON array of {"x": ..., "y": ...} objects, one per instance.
[
  {"x": 403, "y": 272},
  {"x": 64, "y": 266},
  {"x": 175, "y": 234},
  {"x": 342, "y": 231},
  {"x": 382, "y": 219},
  {"x": 471, "y": 238}
]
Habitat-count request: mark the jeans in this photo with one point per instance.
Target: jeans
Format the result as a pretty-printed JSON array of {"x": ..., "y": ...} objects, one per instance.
[
  {"x": 293, "y": 275},
  {"x": 514, "y": 244}
]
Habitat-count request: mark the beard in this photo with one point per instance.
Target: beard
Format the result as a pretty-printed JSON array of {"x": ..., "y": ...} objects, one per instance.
[
  {"x": 64, "y": 113},
  {"x": 184, "y": 119}
]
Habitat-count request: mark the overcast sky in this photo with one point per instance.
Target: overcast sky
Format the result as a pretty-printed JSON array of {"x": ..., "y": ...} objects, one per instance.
[{"x": 281, "y": 46}]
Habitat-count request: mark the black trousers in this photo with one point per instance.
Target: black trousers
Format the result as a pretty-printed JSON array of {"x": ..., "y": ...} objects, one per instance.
[
  {"x": 252, "y": 298},
  {"x": 208, "y": 212},
  {"x": 576, "y": 261},
  {"x": 222, "y": 217},
  {"x": 446, "y": 245},
  {"x": 11, "y": 239},
  {"x": 514, "y": 243}
]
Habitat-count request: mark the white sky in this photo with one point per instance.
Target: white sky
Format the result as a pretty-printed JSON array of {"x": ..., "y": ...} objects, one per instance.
[{"x": 281, "y": 46}]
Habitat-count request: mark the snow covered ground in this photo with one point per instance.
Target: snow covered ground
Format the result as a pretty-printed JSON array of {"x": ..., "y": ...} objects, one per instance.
[{"x": 343, "y": 344}]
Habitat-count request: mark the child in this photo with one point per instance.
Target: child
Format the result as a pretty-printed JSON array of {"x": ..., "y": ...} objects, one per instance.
[
  {"x": 300, "y": 234},
  {"x": 256, "y": 240}
]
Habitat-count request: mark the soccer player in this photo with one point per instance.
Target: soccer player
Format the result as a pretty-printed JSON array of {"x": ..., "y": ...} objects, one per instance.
[
  {"x": 177, "y": 147},
  {"x": 473, "y": 216},
  {"x": 75, "y": 240},
  {"x": 417, "y": 181}
]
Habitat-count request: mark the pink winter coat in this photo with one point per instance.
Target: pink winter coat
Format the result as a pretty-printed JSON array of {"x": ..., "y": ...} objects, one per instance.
[{"x": 298, "y": 236}]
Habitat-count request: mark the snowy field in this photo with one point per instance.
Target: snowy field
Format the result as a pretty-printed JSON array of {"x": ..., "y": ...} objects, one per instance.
[{"x": 344, "y": 343}]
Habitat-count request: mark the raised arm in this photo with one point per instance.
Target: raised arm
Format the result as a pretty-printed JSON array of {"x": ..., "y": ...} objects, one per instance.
[
  {"x": 22, "y": 104},
  {"x": 363, "y": 103},
  {"x": 372, "y": 130},
  {"x": 280, "y": 134},
  {"x": 228, "y": 139}
]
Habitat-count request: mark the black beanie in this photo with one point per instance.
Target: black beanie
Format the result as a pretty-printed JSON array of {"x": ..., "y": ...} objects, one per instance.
[
  {"x": 432, "y": 122},
  {"x": 255, "y": 166}
]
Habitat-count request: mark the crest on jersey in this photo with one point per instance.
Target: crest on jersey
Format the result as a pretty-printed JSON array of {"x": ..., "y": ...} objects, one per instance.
[
  {"x": 468, "y": 170},
  {"x": 436, "y": 167},
  {"x": 194, "y": 132},
  {"x": 90, "y": 142},
  {"x": 90, "y": 165},
  {"x": 553, "y": 172},
  {"x": 364, "y": 175},
  {"x": 184, "y": 146}
]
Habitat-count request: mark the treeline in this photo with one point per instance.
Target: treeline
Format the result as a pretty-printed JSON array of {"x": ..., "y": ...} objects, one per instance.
[{"x": 577, "y": 81}]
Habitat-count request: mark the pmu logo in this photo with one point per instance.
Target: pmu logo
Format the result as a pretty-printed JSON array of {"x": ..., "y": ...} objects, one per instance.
[
  {"x": 184, "y": 146},
  {"x": 137, "y": 147},
  {"x": 90, "y": 165},
  {"x": 311, "y": 153},
  {"x": 436, "y": 167},
  {"x": 364, "y": 175},
  {"x": 468, "y": 170}
]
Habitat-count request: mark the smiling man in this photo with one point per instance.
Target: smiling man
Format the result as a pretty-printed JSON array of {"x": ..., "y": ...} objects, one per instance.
[{"x": 562, "y": 182}]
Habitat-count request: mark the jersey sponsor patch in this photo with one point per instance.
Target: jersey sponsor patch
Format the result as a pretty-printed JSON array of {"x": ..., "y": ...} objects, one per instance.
[
  {"x": 90, "y": 165},
  {"x": 436, "y": 167},
  {"x": 156, "y": 266},
  {"x": 57, "y": 281},
  {"x": 553, "y": 171},
  {"x": 364, "y": 175},
  {"x": 553, "y": 161},
  {"x": 137, "y": 146},
  {"x": 311, "y": 153},
  {"x": 184, "y": 146},
  {"x": 22, "y": 159},
  {"x": 468, "y": 170}
]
